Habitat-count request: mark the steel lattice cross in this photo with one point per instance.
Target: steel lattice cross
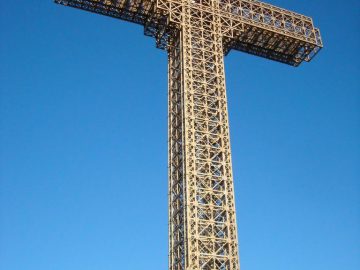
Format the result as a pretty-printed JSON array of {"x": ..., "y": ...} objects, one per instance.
[{"x": 197, "y": 34}]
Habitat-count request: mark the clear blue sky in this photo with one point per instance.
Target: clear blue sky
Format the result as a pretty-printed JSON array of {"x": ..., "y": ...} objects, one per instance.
[{"x": 83, "y": 136}]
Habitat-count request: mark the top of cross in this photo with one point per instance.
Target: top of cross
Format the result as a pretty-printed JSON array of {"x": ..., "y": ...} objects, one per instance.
[{"x": 246, "y": 25}]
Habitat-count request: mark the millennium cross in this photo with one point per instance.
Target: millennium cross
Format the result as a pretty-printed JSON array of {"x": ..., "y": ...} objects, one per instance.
[{"x": 196, "y": 35}]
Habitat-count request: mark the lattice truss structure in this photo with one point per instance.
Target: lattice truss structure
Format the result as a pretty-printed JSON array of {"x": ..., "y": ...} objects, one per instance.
[{"x": 197, "y": 34}]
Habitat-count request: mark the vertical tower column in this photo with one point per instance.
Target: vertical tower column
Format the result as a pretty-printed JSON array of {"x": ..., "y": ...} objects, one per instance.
[{"x": 202, "y": 222}]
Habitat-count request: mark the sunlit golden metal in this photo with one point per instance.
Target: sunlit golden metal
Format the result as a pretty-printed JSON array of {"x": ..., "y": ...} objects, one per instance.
[{"x": 197, "y": 34}]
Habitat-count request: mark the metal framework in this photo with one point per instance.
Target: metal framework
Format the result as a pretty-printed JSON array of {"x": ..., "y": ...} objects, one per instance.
[{"x": 197, "y": 34}]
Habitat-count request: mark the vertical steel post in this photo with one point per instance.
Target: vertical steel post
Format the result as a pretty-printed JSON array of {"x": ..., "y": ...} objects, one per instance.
[{"x": 202, "y": 222}]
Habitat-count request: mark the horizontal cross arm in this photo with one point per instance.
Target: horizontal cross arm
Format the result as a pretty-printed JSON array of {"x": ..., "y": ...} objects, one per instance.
[{"x": 246, "y": 25}]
